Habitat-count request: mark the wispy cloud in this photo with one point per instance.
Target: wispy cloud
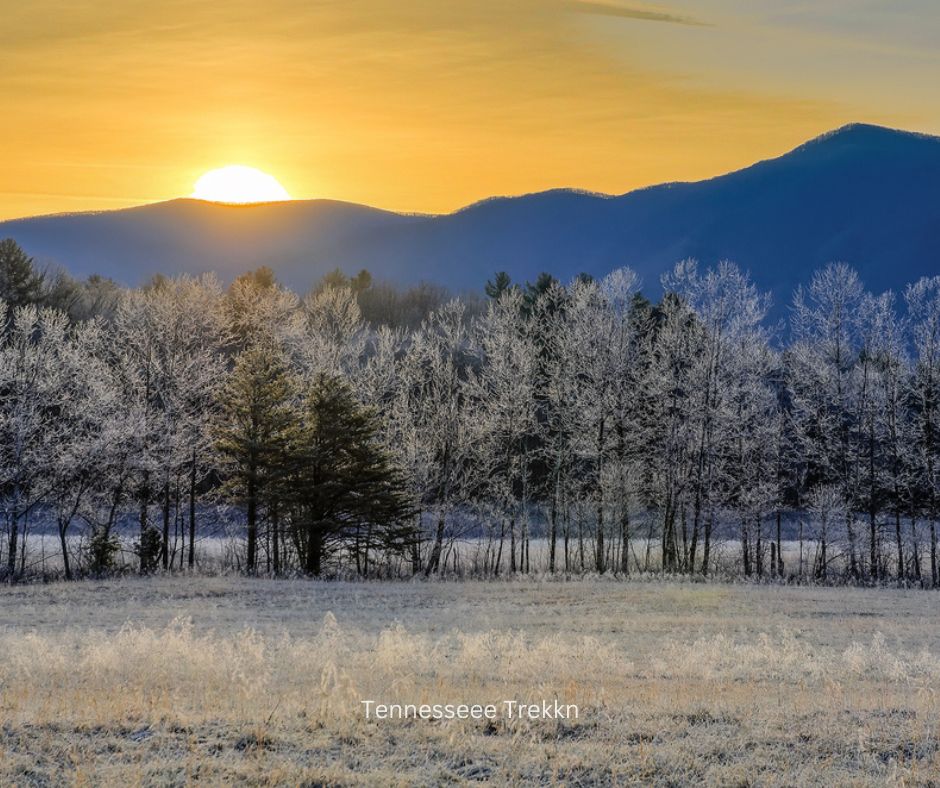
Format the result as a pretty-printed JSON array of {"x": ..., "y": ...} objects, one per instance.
[{"x": 632, "y": 12}]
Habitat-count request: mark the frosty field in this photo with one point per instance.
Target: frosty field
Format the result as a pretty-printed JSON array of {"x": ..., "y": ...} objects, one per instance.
[{"x": 229, "y": 679}]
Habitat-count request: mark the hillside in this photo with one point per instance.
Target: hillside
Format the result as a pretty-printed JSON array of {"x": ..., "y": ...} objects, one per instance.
[{"x": 863, "y": 194}]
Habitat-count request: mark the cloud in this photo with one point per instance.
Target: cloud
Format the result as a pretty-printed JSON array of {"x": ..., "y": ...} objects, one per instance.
[{"x": 602, "y": 8}]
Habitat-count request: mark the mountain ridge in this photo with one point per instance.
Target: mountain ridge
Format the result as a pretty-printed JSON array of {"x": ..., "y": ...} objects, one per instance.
[{"x": 864, "y": 194}]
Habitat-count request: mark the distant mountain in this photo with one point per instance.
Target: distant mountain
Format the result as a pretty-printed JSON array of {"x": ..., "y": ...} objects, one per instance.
[{"x": 862, "y": 194}]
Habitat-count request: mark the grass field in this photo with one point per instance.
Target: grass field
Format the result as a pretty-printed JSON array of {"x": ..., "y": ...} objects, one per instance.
[{"x": 234, "y": 680}]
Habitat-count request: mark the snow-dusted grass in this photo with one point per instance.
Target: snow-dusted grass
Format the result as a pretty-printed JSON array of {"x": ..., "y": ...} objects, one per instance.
[{"x": 236, "y": 680}]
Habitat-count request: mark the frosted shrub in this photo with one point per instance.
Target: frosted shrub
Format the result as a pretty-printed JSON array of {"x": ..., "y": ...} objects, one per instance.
[
  {"x": 877, "y": 662},
  {"x": 787, "y": 658},
  {"x": 720, "y": 657},
  {"x": 397, "y": 651},
  {"x": 141, "y": 663},
  {"x": 162, "y": 656},
  {"x": 181, "y": 673}
]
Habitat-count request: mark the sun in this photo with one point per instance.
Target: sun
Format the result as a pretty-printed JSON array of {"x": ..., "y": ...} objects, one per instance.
[{"x": 239, "y": 184}]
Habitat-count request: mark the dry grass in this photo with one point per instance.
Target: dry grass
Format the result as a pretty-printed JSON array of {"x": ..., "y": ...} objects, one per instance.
[{"x": 229, "y": 680}]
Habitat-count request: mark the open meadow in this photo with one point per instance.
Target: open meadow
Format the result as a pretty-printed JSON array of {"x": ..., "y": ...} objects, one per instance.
[{"x": 233, "y": 680}]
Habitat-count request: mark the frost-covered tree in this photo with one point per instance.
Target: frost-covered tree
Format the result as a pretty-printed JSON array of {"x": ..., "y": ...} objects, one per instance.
[
  {"x": 826, "y": 392},
  {"x": 677, "y": 342},
  {"x": 258, "y": 310},
  {"x": 434, "y": 419},
  {"x": 191, "y": 368},
  {"x": 582, "y": 409},
  {"x": 330, "y": 337},
  {"x": 553, "y": 385},
  {"x": 730, "y": 312},
  {"x": 503, "y": 393},
  {"x": 590, "y": 398},
  {"x": 167, "y": 360},
  {"x": 888, "y": 431},
  {"x": 79, "y": 467},
  {"x": 34, "y": 364},
  {"x": 750, "y": 442},
  {"x": 923, "y": 304}
]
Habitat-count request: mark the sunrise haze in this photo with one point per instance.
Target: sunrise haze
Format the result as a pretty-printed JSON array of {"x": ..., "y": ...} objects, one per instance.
[{"x": 427, "y": 106}]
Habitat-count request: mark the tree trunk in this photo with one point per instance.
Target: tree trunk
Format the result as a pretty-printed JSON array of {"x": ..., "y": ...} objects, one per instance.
[
  {"x": 435, "y": 559},
  {"x": 801, "y": 550},
  {"x": 693, "y": 545},
  {"x": 759, "y": 552},
  {"x": 192, "y": 513},
  {"x": 581, "y": 542},
  {"x": 707, "y": 544},
  {"x": 14, "y": 530},
  {"x": 276, "y": 537},
  {"x": 915, "y": 549},
  {"x": 552, "y": 535},
  {"x": 872, "y": 506},
  {"x": 23, "y": 543},
  {"x": 823, "y": 568},
  {"x": 779, "y": 548},
  {"x": 144, "y": 501},
  {"x": 684, "y": 563},
  {"x": 599, "y": 556},
  {"x": 14, "y": 534},
  {"x": 567, "y": 537},
  {"x": 933, "y": 552},
  {"x": 525, "y": 544},
  {"x": 66, "y": 566},
  {"x": 625, "y": 539},
  {"x": 499, "y": 552},
  {"x": 745, "y": 548},
  {"x": 314, "y": 556},
  {"x": 670, "y": 542},
  {"x": 365, "y": 551},
  {"x": 850, "y": 530},
  {"x": 252, "y": 505},
  {"x": 897, "y": 535},
  {"x": 357, "y": 551},
  {"x": 165, "y": 547},
  {"x": 416, "y": 547}
]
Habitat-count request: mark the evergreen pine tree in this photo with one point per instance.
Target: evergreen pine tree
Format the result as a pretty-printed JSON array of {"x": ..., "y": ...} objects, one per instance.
[
  {"x": 20, "y": 282},
  {"x": 343, "y": 488},
  {"x": 498, "y": 285},
  {"x": 257, "y": 421}
]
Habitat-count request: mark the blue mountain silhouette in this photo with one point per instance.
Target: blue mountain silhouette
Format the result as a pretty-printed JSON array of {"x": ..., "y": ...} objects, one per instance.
[{"x": 865, "y": 195}]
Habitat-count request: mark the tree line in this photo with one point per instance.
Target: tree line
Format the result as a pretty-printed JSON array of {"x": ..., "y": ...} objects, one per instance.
[{"x": 628, "y": 435}]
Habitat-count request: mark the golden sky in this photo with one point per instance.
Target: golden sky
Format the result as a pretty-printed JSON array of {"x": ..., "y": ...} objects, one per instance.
[{"x": 427, "y": 105}]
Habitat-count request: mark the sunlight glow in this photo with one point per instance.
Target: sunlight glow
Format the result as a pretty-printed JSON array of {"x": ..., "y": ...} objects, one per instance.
[{"x": 239, "y": 184}]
